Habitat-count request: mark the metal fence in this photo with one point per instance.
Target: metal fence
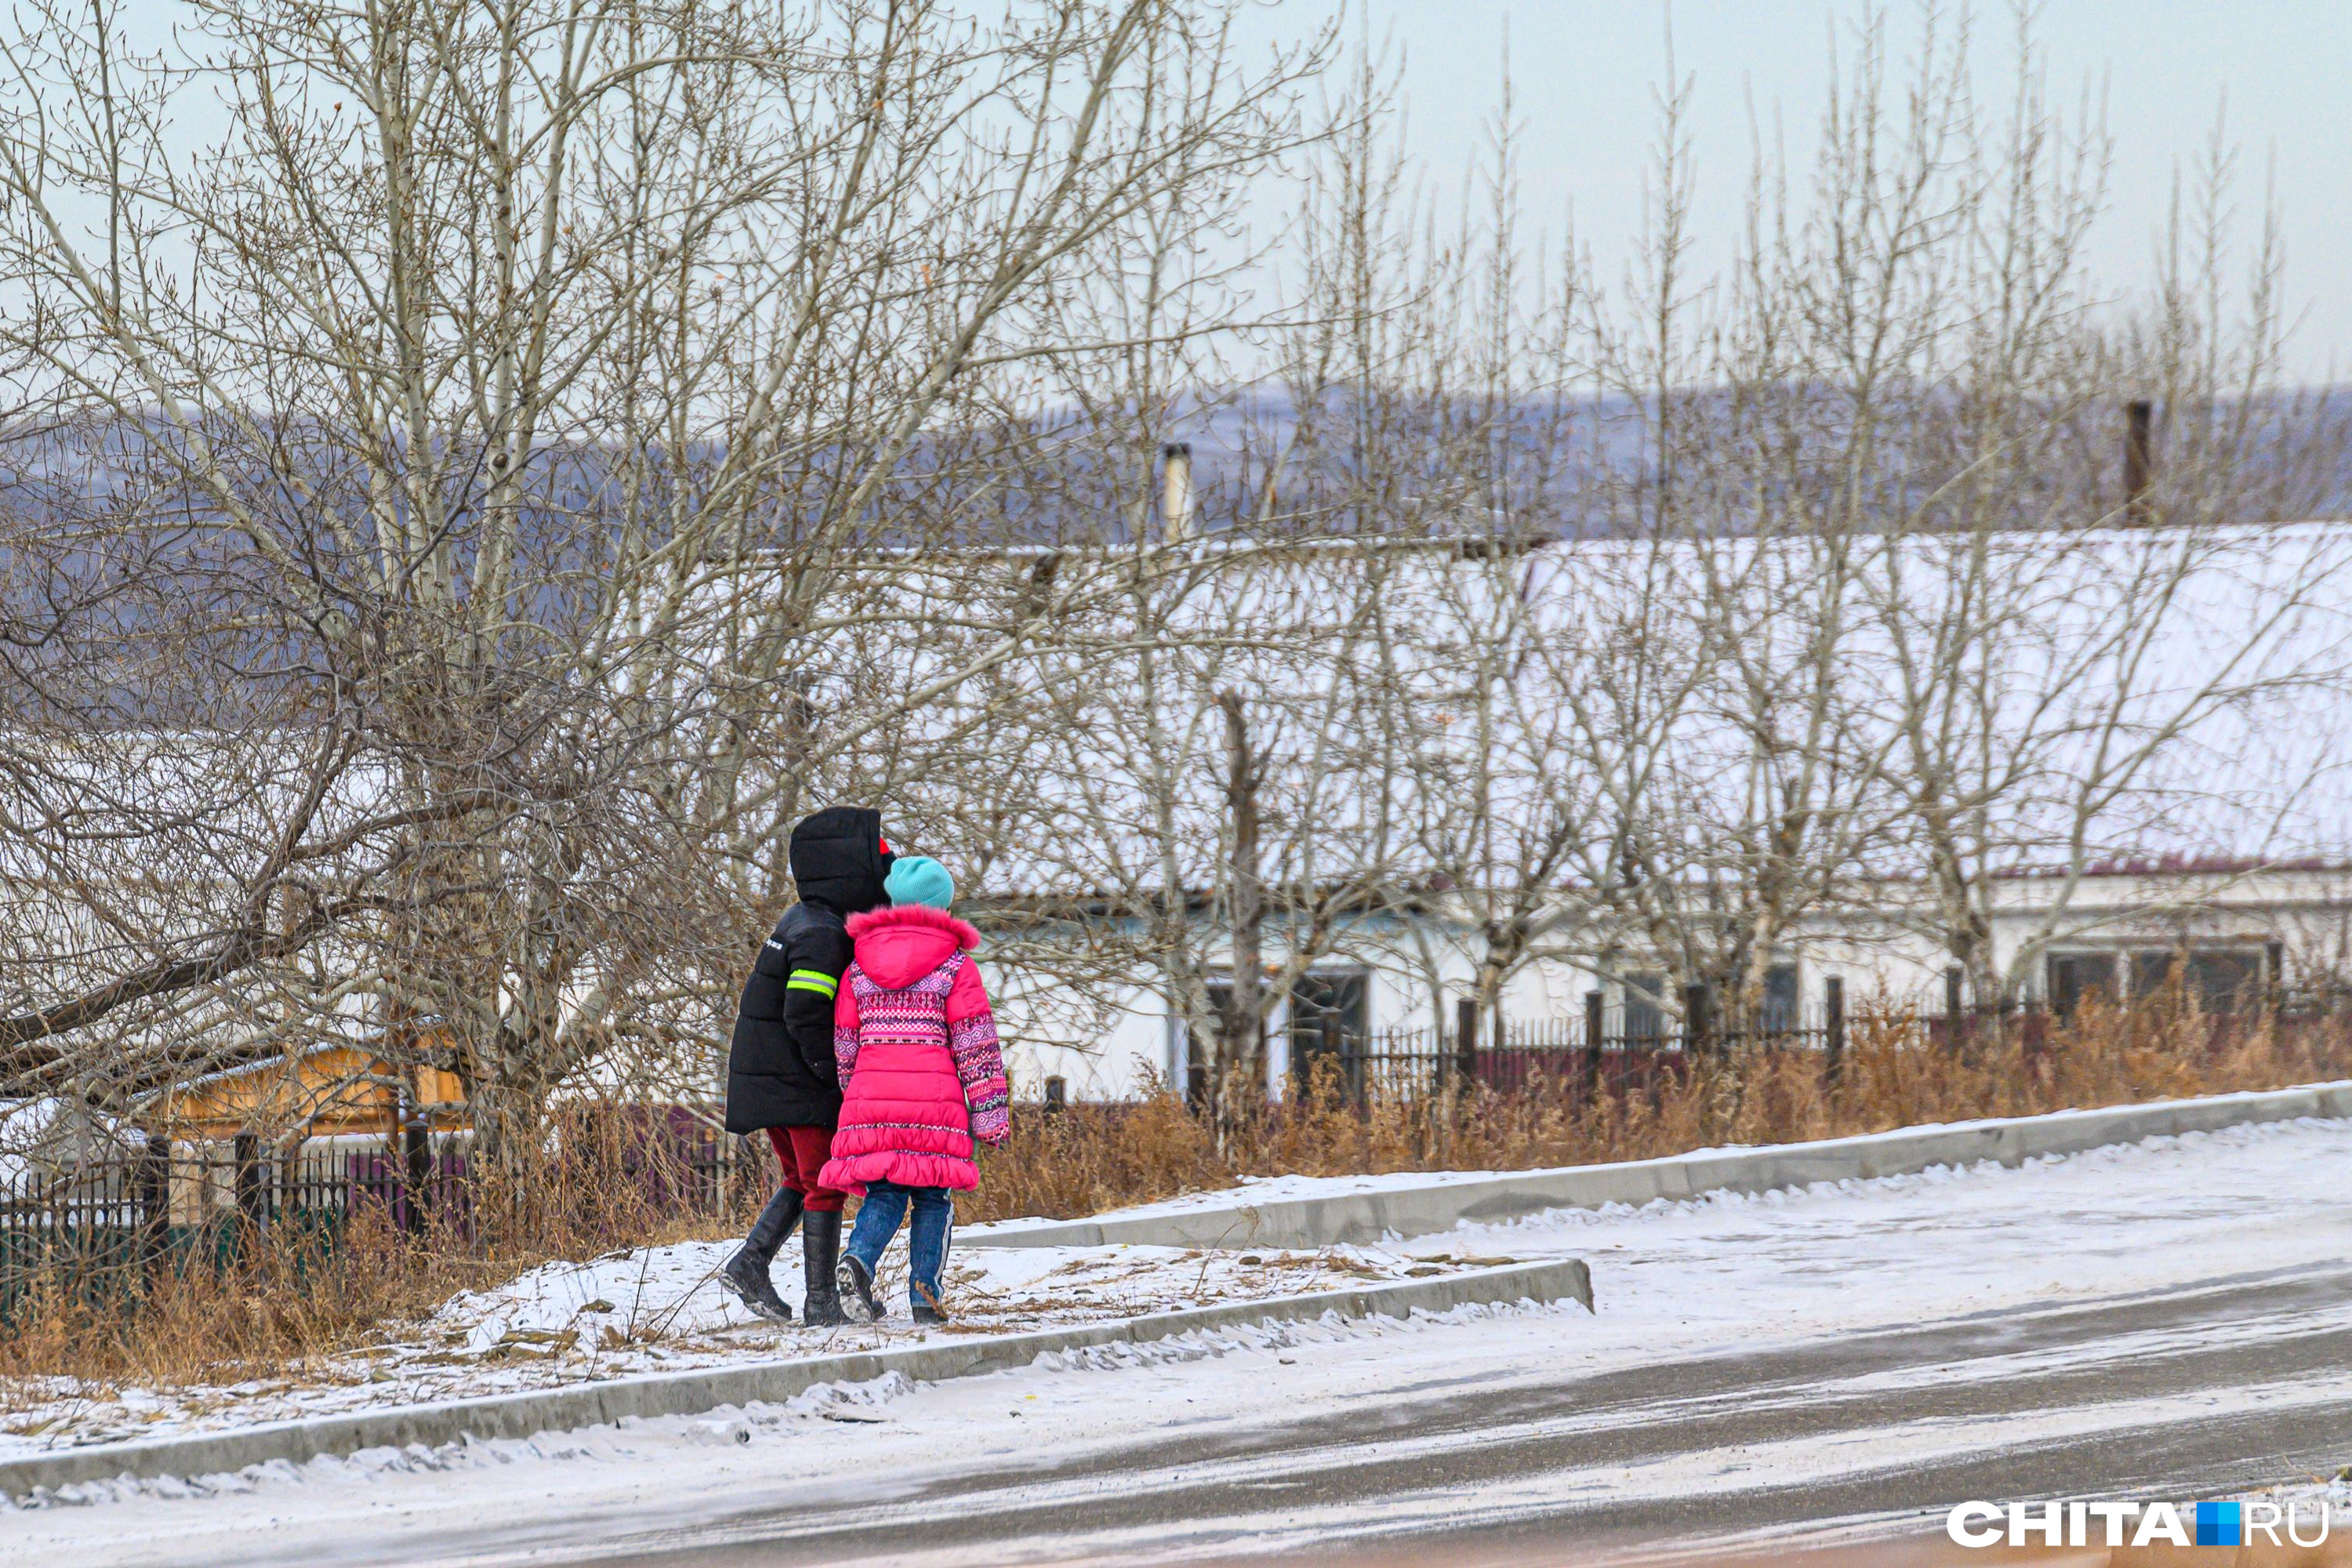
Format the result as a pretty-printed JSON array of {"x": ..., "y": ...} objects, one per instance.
[
  {"x": 1604, "y": 1048},
  {"x": 1615, "y": 1050},
  {"x": 125, "y": 1207}
]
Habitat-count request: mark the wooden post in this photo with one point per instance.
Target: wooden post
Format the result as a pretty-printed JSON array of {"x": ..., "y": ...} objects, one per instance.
[
  {"x": 154, "y": 1190},
  {"x": 1833, "y": 1045},
  {"x": 250, "y": 1193},
  {"x": 1057, "y": 1095},
  {"x": 1594, "y": 1060},
  {"x": 1465, "y": 1040},
  {"x": 416, "y": 1174}
]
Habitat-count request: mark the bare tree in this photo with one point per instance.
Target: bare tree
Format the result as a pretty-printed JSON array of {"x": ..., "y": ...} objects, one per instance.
[
  {"x": 526, "y": 393},
  {"x": 461, "y": 515}
]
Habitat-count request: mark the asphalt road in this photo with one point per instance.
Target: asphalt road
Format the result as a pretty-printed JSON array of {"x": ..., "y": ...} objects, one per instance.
[{"x": 2230, "y": 1383}]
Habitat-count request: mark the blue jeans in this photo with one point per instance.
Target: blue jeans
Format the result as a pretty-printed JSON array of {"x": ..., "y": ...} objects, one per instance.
[{"x": 927, "y": 1241}]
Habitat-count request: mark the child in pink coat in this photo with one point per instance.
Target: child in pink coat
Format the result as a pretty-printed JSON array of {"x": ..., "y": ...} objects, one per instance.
[{"x": 923, "y": 1077}]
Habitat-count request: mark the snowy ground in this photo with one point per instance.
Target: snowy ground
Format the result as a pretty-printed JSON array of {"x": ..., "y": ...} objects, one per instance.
[
  {"x": 1271, "y": 1434},
  {"x": 662, "y": 1308},
  {"x": 1273, "y": 1189},
  {"x": 1288, "y": 1188}
]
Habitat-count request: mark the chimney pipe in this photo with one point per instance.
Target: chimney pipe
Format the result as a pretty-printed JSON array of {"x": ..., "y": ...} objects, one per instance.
[
  {"x": 1175, "y": 491},
  {"x": 2139, "y": 466}
]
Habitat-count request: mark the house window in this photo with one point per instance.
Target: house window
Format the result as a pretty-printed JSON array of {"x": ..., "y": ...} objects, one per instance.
[
  {"x": 1645, "y": 1016},
  {"x": 2151, "y": 974},
  {"x": 2075, "y": 975},
  {"x": 1220, "y": 997},
  {"x": 1342, "y": 996},
  {"x": 2225, "y": 980},
  {"x": 1780, "y": 1009},
  {"x": 2220, "y": 980}
]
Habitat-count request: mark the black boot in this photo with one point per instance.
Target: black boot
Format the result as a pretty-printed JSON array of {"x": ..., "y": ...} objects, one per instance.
[
  {"x": 854, "y": 1287},
  {"x": 746, "y": 1273},
  {"x": 820, "y": 1255}
]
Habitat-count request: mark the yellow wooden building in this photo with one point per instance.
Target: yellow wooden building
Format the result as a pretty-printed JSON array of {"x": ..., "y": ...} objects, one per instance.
[{"x": 326, "y": 1092}]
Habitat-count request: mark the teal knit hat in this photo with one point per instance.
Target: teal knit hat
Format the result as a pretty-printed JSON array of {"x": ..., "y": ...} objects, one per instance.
[{"x": 919, "y": 879}]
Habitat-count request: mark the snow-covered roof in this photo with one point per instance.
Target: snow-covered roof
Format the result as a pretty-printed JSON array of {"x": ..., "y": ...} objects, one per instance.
[
  {"x": 1388, "y": 686},
  {"x": 46, "y": 1131},
  {"x": 2121, "y": 695}
]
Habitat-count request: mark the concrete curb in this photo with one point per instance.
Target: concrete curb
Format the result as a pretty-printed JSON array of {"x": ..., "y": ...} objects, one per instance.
[
  {"x": 1422, "y": 1210},
  {"x": 691, "y": 1393}
]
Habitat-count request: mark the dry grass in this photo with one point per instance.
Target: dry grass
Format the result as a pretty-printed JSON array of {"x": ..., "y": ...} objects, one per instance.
[
  {"x": 289, "y": 1294},
  {"x": 1090, "y": 1158},
  {"x": 288, "y": 1299}
]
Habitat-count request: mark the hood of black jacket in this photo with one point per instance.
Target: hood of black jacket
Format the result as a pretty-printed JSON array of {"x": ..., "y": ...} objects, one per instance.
[{"x": 837, "y": 859}]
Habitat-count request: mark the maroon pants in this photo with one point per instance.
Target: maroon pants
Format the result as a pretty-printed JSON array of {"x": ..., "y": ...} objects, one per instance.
[{"x": 802, "y": 1151}]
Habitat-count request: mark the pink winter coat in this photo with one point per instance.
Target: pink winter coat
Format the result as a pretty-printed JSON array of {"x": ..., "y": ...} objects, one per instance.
[{"x": 922, "y": 1072}]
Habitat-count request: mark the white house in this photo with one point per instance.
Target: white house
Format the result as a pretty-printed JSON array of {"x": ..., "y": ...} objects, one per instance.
[{"x": 2156, "y": 723}]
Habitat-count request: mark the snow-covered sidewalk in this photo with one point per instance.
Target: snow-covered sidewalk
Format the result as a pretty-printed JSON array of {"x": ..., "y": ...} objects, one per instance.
[
  {"x": 1695, "y": 1272},
  {"x": 1675, "y": 1282},
  {"x": 661, "y": 1308}
]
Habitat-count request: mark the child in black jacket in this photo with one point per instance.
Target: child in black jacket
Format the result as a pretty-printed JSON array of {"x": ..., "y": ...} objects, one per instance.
[{"x": 781, "y": 1077}]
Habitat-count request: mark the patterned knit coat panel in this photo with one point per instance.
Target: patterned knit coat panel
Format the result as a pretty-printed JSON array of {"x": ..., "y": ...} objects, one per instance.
[{"x": 903, "y": 1117}]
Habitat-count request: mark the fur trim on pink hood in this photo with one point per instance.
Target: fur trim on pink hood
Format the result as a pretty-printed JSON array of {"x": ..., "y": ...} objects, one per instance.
[{"x": 898, "y": 946}]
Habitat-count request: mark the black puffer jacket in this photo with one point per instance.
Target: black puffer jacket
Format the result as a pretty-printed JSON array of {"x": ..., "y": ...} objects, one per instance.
[{"x": 780, "y": 1070}]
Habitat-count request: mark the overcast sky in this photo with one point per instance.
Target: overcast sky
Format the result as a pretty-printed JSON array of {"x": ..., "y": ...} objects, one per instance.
[{"x": 1586, "y": 70}]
